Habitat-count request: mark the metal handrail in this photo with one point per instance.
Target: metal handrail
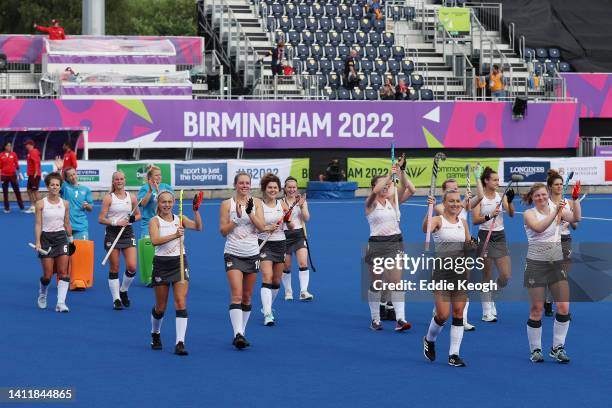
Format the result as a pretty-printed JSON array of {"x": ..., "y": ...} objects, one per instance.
[{"x": 511, "y": 31}]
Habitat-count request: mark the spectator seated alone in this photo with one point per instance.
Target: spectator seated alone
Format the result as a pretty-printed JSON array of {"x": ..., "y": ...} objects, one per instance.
[{"x": 333, "y": 172}]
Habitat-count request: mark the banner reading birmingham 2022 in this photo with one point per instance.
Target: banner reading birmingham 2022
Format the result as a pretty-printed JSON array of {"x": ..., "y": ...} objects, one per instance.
[{"x": 303, "y": 124}]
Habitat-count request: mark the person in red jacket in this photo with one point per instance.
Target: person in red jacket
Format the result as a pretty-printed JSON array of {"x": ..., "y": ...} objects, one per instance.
[
  {"x": 9, "y": 166},
  {"x": 70, "y": 158},
  {"x": 56, "y": 32},
  {"x": 33, "y": 172}
]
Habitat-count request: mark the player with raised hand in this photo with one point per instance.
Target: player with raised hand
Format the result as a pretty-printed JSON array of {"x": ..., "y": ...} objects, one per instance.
[{"x": 147, "y": 196}]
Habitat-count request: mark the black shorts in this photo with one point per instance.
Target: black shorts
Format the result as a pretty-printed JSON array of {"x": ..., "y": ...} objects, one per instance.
[
  {"x": 273, "y": 251},
  {"x": 539, "y": 274},
  {"x": 127, "y": 239},
  {"x": 566, "y": 246},
  {"x": 497, "y": 247},
  {"x": 295, "y": 239},
  {"x": 33, "y": 183},
  {"x": 57, "y": 241},
  {"x": 167, "y": 270},
  {"x": 249, "y": 264},
  {"x": 384, "y": 247}
]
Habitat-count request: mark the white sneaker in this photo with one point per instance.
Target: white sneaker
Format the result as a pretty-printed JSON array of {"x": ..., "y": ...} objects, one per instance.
[
  {"x": 62, "y": 308},
  {"x": 269, "y": 320},
  {"x": 42, "y": 300},
  {"x": 7, "y": 211},
  {"x": 468, "y": 327},
  {"x": 489, "y": 318},
  {"x": 30, "y": 210},
  {"x": 288, "y": 295},
  {"x": 305, "y": 296}
]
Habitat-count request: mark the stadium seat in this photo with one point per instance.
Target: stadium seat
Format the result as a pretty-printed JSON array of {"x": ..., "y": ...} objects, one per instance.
[
  {"x": 291, "y": 10},
  {"x": 375, "y": 81},
  {"x": 393, "y": 66},
  {"x": 293, "y": 38},
  {"x": 277, "y": 10},
  {"x": 554, "y": 54},
  {"x": 427, "y": 95},
  {"x": 371, "y": 94},
  {"x": 271, "y": 24},
  {"x": 330, "y": 52},
  {"x": 307, "y": 38},
  {"x": 316, "y": 52},
  {"x": 375, "y": 38},
  {"x": 371, "y": 52},
  {"x": 379, "y": 26},
  {"x": 360, "y": 51},
  {"x": 357, "y": 94},
  {"x": 309, "y": 2},
  {"x": 348, "y": 38},
  {"x": 344, "y": 11},
  {"x": 416, "y": 81},
  {"x": 363, "y": 81},
  {"x": 398, "y": 53},
  {"x": 298, "y": 24},
  {"x": 298, "y": 66},
  {"x": 409, "y": 13},
  {"x": 529, "y": 54},
  {"x": 541, "y": 54},
  {"x": 367, "y": 66},
  {"x": 384, "y": 53},
  {"x": 343, "y": 51},
  {"x": 361, "y": 38},
  {"x": 538, "y": 68},
  {"x": 331, "y": 10},
  {"x": 312, "y": 24},
  {"x": 333, "y": 80},
  {"x": 413, "y": 95},
  {"x": 343, "y": 94},
  {"x": 317, "y": 10},
  {"x": 357, "y": 11},
  {"x": 564, "y": 67},
  {"x": 330, "y": 93},
  {"x": 304, "y": 10},
  {"x": 338, "y": 23},
  {"x": 322, "y": 81},
  {"x": 303, "y": 52},
  {"x": 312, "y": 66},
  {"x": 325, "y": 66},
  {"x": 407, "y": 67},
  {"x": 352, "y": 24},
  {"x": 339, "y": 65},
  {"x": 388, "y": 39},
  {"x": 334, "y": 38},
  {"x": 551, "y": 68},
  {"x": 395, "y": 13},
  {"x": 365, "y": 25},
  {"x": 402, "y": 77},
  {"x": 284, "y": 24},
  {"x": 320, "y": 38},
  {"x": 279, "y": 36},
  {"x": 380, "y": 66},
  {"x": 269, "y": 2},
  {"x": 326, "y": 24}
]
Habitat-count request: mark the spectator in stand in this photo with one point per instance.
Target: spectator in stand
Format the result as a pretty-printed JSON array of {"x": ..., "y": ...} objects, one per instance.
[
  {"x": 496, "y": 82},
  {"x": 33, "y": 172},
  {"x": 70, "y": 159},
  {"x": 278, "y": 55},
  {"x": 373, "y": 10},
  {"x": 387, "y": 92},
  {"x": 333, "y": 172},
  {"x": 402, "y": 91},
  {"x": 56, "y": 32},
  {"x": 9, "y": 168},
  {"x": 350, "y": 73}
]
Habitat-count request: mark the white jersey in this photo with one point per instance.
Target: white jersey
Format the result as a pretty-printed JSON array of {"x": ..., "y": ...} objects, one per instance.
[
  {"x": 565, "y": 230},
  {"x": 170, "y": 248},
  {"x": 383, "y": 220},
  {"x": 296, "y": 217},
  {"x": 120, "y": 208},
  {"x": 242, "y": 241},
  {"x": 450, "y": 237},
  {"x": 53, "y": 216},
  {"x": 271, "y": 216},
  {"x": 487, "y": 207},
  {"x": 463, "y": 215},
  {"x": 543, "y": 246}
]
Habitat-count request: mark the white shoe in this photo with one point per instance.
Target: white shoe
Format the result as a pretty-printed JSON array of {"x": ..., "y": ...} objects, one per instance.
[
  {"x": 62, "y": 308},
  {"x": 305, "y": 296},
  {"x": 7, "y": 211},
  {"x": 269, "y": 320},
  {"x": 489, "y": 318},
  {"x": 30, "y": 210},
  {"x": 42, "y": 300},
  {"x": 288, "y": 295},
  {"x": 493, "y": 309},
  {"x": 468, "y": 327}
]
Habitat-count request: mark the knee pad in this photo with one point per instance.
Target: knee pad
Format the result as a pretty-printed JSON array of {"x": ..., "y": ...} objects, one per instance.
[
  {"x": 536, "y": 324},
  {"x": 181, "y": 313},
  {"x": 156, "y": 315}
]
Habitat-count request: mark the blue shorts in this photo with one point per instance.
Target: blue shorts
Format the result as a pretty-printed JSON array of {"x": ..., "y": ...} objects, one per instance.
[{"x": 82, "y": 235}]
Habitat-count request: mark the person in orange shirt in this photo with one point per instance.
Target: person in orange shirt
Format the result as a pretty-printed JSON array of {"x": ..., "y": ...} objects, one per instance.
[
  {"x": 496, "y": 82},
  {"x": 70, "y": 158},
  {"x": 56, "y": 32},
  {"x": 9, "y": 166},
  {"x": 33, "y": 172}
]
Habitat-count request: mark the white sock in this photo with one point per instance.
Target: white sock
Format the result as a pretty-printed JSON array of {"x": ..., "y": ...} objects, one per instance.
[
  {"x": 465, "y": 312},
  {"x": 534, "y": 334},
  {"x": 235, "y": 313},
  {"x": 485, "y": 298},
  {"x": 304, "y": 279},
  {"x": 559, "y": 332},
  {"x": 266, "y": 300},
  {"x": 246, "y": 313},
  {"x": 434, "y": 330},
  {"x": 274, "y": 294},
  {"x": 400, "y": 312},
  {"x": 62, "y": 289},
  {"x": 181, "y": 328},
  {"x": 156, "y": 324},
  {"x": 113, "y": 285},
  {"x": 374, "y": 302},
  {"x": 127, "y": 281},
  {"x": 286, "y": 279},
  {"x": 456, "y": 335}
]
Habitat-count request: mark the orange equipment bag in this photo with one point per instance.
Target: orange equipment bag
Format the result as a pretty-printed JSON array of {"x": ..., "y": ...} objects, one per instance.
[{"x": 82, "y": 265}]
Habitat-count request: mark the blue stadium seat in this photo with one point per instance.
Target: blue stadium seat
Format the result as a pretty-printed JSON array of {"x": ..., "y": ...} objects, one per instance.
[
  {"x": 298, "y": 24},
  {"x": 361, "y": 38},
  {"x": 307, "y": 37},
  {"x": 551, "y": 68},
  {"x": 344, "y": 11},
  {"x": 312, "y": 66},
  {"x": 363, "y": 81},
  {"x": 333, "y": 79},
  {"x": 426, "y": 95},
  {"x": 304, "y": 10},
  {"x": 322, "y": 81},
  {"x": 384, "y": 53},
  {"x": 541, "y": 54},
  {"x": 309, "y": 2},
  {"x": 348, "y": 38},
  {"x": 279, "y": 36},
  {"x": 330, "y": 93},
  {"x": 352, "y": 24},
  {"x": 398, "y": 53},
  {"x": 413, "y": 95},
  {"x": 298, "y": 66},
  {"x": 271, "y": 24},
  {"x": 393, "y": 66},
  {"x": 409, "y": 13},
  {"x": 338, "y": 23},
  {"x": 554, "y": 54},
  {"x": 334, "y": 2},
  {"x": 365, "y": 25},
  {"x": 325, "y": 23},
  {"x": 371, "y": 94},
  {"x": 367, "y": 66},
  {"x": 357, "y": 95},
  {"x": 284, "y": 24},
  {"x": 375, "y": 81},
  {"x": 312, "y": 24},
  {"x": 375, "y": 38},
  {"x": 379, "y": 26},
  {"x": 334, "y": 38},
  {"x": 339, "y": 65},
  {"x": 294, "y": 38},
  {"x": 330, "y": 52},
  {"x": 395, "y": 13},
  {"x": 407, "y": 66},
  {"x": 538, "y": 68},
  {"x": 343, "y": 94},
  {"x": 358, "y": 65},
  {"x": 360, "y": 51},
  {"x": 416, "y": 81},
  {"x": 291, "y": 10},
  {"x": 316, "y": 52},
  {"x": 380, "y": 66},
  {"x": 343, "y": 51},
  {"x": 564, "y": 67},
  {"x": 529, "y": 54},
  {"x": 371, "y": 52},
  {"x": 317, "y": 10},
  {"x": 388, "y": 39},
  {"x": 357, "y": 11},
  {"x": 303, "y": 52},
  {"x": 402, "y": 77},
  {"x": 277, "y": 10},
  {"x": 331, "y": 10},
  {"x": 320, "y": 38},
  {"x": 269, "y": 2},
  {"x": 325, "y": 66}
]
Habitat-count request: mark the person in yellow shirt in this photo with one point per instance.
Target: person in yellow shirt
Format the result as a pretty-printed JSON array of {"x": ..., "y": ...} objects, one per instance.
[{"x": 496, "y": 84}]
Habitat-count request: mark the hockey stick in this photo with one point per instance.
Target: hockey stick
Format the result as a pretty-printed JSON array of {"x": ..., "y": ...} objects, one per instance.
[
  {"x": 110, "y": 250},
  {"x": 468, "y": 172},
  {"x": 515, "y": 178},
  {"x": 432, "y": 189},
  {"x": 279, "y": 222},
  {"x": 394, "y": 179},
  {"x": 41, "y": 251},
  {"x": 181, "y": 242},
  {"x": 308, "y": 248},
  {"x": 565, "y": 186}
]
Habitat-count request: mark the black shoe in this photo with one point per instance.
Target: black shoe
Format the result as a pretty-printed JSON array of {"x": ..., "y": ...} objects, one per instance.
[
  {"x": 548, "y": 309},
  {"x": 179, "y": 350},
  {"x": 156, "y": 343},
  {"x": 429, "y": 349},
  {"x": 117, "y": 305},
  {"x": 455, "y": 361},
  {"x": 383, "y": 313},
  {"x": 124, "y": 299},
  {"x": 246, "y": 342},
  {"x": 240, "y": 341}
]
